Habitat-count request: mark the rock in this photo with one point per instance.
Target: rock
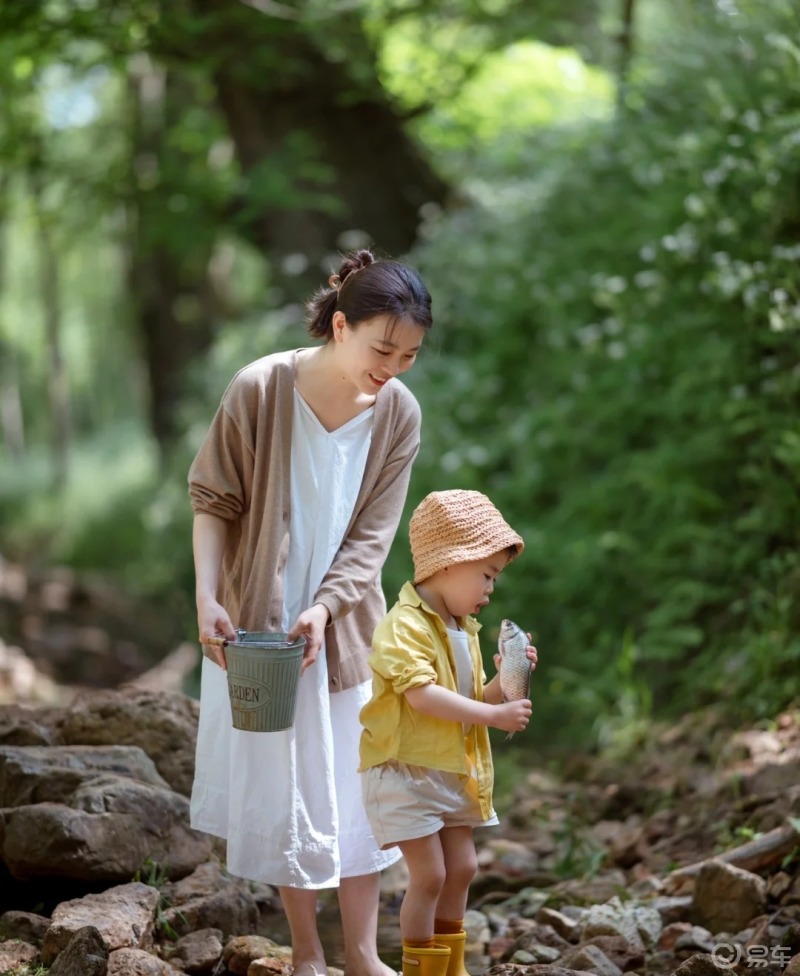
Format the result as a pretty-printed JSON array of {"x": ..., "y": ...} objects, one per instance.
[
  {"x": 792, "y": 895},
  {"x": 726, "y": 898},
  {"x": 25, "y": 926},
  {"x": 589, "y": 958},
  {"x": 535, "y": 953},
  {"x": 162, "y": 817},
  {"x": 793, "y": 966},
  {"x": 123, "y": 916},
  {"x": 629, "y": 845},
  {"x": 695, "y": 937},
  {"x": 778, "y": 886},
  {"x": 84, "y": 954},
  {"x": 268, "y": 966},
  {"x": 136, "y": 962},
  {"x": 542, "y": 969},
  {"x": 199, "y": 952},
  {"x": 566, "y": 927},
  {"x": 618, "y": 950},
  {"x": 15, "y": 954},
  {"x": 476, "y": 926},
  {"x": 93, "y": 813},
  {"x": 775, "y": 776},
  {"x": 638, "y": 925},
  {"x": 210, "y": 898},
  {"x": 698, "y": 965},
  {"x": 510, "y": 857},
  {"x": 161, "y": 724},
  {"x": 241, "y": 951},
  {"x": 25, "y": 726},
  {"x": 670, "y": 935},
  {"x": 41, "y": 774},
  {"x": 52, "y": 840},
  {"x": 539, "y": 934},
  {"x": 673, "y": 909},
  {"x": 589, "y": 891}
]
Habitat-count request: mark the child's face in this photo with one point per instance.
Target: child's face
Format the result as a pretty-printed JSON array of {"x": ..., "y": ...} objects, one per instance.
[{"x": 466, "y": 587}]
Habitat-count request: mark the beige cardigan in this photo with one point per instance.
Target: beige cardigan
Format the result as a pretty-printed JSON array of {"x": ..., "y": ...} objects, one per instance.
[{"x": 241, "y": 474}]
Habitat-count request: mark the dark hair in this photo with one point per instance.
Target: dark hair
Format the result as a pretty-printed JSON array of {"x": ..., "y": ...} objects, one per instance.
[{"x": 364, "y": 288}]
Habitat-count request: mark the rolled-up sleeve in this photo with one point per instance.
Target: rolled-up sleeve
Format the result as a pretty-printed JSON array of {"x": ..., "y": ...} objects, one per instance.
[
  {"x": 220, "y": 473},
  {"x": 406, "y": 655}
]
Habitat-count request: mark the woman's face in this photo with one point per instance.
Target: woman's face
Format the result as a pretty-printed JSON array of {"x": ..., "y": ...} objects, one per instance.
[{"x": 376, "y": 350}]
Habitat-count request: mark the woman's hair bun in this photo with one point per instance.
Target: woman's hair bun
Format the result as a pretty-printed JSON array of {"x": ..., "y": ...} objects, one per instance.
[{"x": 353, "y": 262}]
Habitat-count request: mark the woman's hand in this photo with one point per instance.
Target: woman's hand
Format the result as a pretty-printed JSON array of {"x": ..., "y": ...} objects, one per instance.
[
  {"x": 310, "y": 624},
  {"x": 213, "y": 621}
]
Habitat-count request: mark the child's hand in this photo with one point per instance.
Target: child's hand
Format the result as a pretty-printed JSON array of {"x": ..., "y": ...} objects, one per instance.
[{"x": 513, "y": 716}]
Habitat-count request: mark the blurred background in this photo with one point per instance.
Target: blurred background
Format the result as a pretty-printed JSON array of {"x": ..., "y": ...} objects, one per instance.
[{"x": 603, "y": 197}]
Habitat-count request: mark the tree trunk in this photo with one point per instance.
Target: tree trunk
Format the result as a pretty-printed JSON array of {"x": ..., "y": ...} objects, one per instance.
[
  {"x": 49, "y": 279},
  {"x": 12, "y": 420},
  {"x": 11, "y": 417},
  {"x": 625, "y": 51},
  {"x": 297, "y": 97},
  {"x": 172, "y": 298}
]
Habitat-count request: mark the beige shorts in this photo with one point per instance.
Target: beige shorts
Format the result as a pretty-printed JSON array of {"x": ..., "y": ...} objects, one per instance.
[{"x": 407, "y": 802}]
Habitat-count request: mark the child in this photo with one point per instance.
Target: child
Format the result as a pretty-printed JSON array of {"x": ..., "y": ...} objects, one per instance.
[{"x": 425, "y": 758}]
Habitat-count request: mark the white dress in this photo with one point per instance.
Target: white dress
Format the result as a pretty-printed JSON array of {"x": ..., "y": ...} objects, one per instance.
[{"x": 289, "y": 803}]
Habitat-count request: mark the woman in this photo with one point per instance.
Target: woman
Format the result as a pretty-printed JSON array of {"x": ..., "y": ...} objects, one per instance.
[{"x": 297, "y": 492}]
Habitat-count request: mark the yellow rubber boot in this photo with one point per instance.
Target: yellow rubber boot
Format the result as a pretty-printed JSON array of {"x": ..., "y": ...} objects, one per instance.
[
  {"x": 426, "y": 962},
  {"x": 456, "y": 943}
]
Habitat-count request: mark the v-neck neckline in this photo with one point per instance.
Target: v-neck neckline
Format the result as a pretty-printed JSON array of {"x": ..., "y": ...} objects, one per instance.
[{"x": 342, "y": 428}]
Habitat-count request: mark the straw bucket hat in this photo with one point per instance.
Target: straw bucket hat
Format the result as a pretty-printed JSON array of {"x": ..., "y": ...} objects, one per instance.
[{"x": 457, "y": 526}]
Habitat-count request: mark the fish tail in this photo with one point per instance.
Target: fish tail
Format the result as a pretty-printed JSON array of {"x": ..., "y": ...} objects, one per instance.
[{"x": 509, "y": 735}]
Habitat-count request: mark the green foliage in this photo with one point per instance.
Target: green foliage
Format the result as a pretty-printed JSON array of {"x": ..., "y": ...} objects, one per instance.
[
  {"x": 152, "y": 873},
  {"x": 578, "y": 855},
  {"x": 507, "y": 94},
  {"x": 156, "y": 876},
  {"x": 617, "y": 302},
  {"x": 728, "y": 837},
  {"x": 620, "y": 376}
]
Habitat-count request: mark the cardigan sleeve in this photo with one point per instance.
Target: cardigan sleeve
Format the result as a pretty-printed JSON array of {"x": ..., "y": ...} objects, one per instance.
[
  {"x": 361, "y": 556},
  {"x": 221, "y": 473}
]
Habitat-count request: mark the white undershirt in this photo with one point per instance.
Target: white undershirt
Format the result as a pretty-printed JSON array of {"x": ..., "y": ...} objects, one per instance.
[{"x": 465, "y": 677}]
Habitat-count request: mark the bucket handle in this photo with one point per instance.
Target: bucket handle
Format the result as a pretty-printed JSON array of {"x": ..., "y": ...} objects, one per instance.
[{"x": 220, "y": 641}]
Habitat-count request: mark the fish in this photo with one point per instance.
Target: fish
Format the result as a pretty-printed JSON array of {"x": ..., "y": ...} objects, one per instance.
[{"x": 515, "y": 668}]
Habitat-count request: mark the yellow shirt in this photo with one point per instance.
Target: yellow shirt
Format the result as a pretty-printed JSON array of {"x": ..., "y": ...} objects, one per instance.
[{"x": 410, "y": 648}]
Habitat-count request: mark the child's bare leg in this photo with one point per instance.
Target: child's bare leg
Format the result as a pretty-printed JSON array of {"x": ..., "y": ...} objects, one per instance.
[
  {"x": 426, "y": 875},
  {"x": 300, "y": 905},
  {"x": 460, "y": 863},
  {"x": 358, "y": 906}
]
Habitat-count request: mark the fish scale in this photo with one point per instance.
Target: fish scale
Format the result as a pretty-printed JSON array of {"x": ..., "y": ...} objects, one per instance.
[{"x": 515, "y": 668}]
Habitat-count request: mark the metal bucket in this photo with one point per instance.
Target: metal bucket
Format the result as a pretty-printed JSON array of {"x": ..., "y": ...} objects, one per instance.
[{"x": 263, "y": 675}]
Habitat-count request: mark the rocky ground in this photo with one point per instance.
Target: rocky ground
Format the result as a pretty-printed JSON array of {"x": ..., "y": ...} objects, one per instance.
[{"x": 680, "y": 857}]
